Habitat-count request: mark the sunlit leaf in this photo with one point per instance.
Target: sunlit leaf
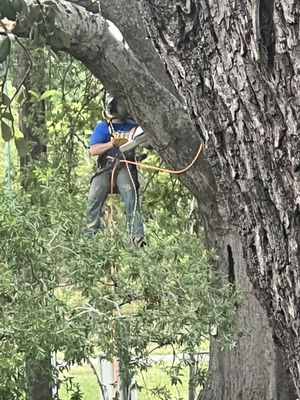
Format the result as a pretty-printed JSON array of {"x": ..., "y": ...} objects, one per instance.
[
  {"x": 34, "y": 94},
  {"x": 7, "y": 115},
  {"x": 21, "y": 96},
  {"x": 48, "y": 93}
]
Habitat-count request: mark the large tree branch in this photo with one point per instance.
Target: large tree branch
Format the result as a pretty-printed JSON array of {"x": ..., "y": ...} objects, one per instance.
[
  {"x": 128, "y": 18},
  {"x": 170, "y": 127}
]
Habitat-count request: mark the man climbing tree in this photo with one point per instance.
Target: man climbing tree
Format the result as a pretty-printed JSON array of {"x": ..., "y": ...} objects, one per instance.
[{"x": 105, "y": 142}]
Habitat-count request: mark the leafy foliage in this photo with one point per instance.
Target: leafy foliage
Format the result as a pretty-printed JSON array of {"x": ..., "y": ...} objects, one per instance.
[{"x": 61, "y": 291}]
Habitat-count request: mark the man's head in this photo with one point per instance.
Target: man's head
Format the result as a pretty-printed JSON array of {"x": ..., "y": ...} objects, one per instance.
[{"x": 118, "y": 109}]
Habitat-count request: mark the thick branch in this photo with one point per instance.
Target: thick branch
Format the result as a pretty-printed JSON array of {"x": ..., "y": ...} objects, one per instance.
[{"x": 128, "y": 18}]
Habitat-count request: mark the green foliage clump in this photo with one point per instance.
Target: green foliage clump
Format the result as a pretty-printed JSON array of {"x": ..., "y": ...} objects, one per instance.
[{"x": 61, "y": 291}]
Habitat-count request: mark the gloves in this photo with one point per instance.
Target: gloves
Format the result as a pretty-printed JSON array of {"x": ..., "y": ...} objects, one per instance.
[{"x": 119, "y": 139}]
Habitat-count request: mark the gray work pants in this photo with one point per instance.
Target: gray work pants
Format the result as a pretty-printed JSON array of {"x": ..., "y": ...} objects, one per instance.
[{"x": 99, "y": 190}]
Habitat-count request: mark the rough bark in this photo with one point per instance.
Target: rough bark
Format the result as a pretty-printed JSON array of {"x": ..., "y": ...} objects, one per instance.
[
  {"x": 128, "y": 18},
  {"x": 254, "y": 370},
  {"x": 89, "y": 5},
  {"x": 237, "y": 66},
  {"x": 246, "y": 181},
  {"x": 161, "y": 113}
]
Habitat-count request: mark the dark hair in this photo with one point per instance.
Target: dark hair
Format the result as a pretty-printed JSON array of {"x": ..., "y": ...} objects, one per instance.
[{"x": 112, "y": 106}]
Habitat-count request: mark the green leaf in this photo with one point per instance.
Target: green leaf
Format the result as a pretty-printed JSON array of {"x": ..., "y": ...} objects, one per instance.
[
  {"x": 6, "y": 131},
  {"x": 60, "y": 39},
  {"x": 4, "y": 49},
  {"x": 48, "y": 93},
  {"x": 21, "y": 146},
  {"x": 21, "y": 96},
  {"x": 8, "y": 10}
]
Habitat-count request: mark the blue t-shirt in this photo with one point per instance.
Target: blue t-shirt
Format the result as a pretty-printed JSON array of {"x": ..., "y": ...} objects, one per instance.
[{"x": 101, "y": 132}]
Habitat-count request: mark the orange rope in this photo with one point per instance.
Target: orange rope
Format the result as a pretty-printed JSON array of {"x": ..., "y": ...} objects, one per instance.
[{"x": 170, "y": 171}]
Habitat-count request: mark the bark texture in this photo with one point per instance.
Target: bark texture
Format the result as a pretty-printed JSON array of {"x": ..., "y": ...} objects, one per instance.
[
  {"x": 254, "y": 370},
  {"x": 128, "y": 18},
  {"x": 236, "y": 67}
]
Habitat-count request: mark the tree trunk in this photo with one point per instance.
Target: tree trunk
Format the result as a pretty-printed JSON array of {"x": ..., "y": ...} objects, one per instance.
[
  {"x": 254, "y": 370},
  {"x": 236, "y": 65}
]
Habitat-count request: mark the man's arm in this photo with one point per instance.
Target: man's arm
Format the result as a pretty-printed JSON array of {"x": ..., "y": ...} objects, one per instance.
[{"x": 100, "y": 148}]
